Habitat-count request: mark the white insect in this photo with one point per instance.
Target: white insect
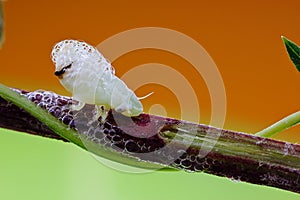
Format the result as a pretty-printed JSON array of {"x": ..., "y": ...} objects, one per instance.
[{"x": 84, "y": 72}]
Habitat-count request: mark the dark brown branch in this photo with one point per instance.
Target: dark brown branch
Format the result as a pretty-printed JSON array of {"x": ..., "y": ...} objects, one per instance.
[{"x": 170, "y": 142}]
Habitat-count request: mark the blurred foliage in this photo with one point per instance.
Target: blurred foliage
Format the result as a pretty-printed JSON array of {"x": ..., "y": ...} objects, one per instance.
[{"x": 1, "y": 25}]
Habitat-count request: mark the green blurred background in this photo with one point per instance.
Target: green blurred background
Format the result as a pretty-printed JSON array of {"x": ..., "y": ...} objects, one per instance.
[
  {"x": 38, "y": 168},
  {"x": 243, "y": 38}
]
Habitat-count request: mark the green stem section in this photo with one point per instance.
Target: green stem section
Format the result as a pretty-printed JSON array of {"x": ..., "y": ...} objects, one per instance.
[
  {"x": 41, "y": 114},
  {"x": 280, "y": 126}
]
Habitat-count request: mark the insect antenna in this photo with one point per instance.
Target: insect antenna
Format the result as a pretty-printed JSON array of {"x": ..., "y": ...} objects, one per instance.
[{"x": 144, "y": 97}]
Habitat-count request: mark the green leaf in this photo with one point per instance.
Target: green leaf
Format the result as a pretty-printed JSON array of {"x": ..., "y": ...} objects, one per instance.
[
  {"x": 1, "y": 25},
  {"x": 293, "y": 51}
]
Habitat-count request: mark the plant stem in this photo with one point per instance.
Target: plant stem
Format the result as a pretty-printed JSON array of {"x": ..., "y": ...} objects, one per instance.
[
  {"x": 280, "y": 126},
  {"x": 155, "y": 141},
  {"x": 66, "y": 131},
  {"x": 40, "y": 114}
]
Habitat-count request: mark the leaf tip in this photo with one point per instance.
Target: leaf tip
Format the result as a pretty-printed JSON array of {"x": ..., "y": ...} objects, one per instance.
[
  {"x": 293, "y": 51},
  {"x": 284, "y": 39}
]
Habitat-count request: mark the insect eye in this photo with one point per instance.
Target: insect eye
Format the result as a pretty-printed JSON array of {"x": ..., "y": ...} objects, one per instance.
[
  {"x": 60, "y": 72},
  {"x": 63, "y": 70}
]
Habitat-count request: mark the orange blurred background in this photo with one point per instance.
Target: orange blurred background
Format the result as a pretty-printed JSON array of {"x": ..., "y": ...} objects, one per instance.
[{"x": 243, "y": 38}]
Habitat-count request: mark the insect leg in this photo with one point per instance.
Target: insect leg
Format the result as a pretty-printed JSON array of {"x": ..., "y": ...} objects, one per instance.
[
  {"x": 77, "y": 106},
  {"x": 100, "y": 114}
]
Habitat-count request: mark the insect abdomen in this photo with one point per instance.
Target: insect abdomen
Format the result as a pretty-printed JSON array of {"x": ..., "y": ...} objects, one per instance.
[{"x": 114, "y": 93}]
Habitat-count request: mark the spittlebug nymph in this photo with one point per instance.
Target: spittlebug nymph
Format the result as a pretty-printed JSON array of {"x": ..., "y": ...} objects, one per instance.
[{"x": 84, "y": 72}]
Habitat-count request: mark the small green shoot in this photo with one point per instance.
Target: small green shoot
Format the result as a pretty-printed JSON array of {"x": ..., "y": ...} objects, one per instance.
[
  {"x": 293, "y": 119},
  {"x": 280, "y": 126}
]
